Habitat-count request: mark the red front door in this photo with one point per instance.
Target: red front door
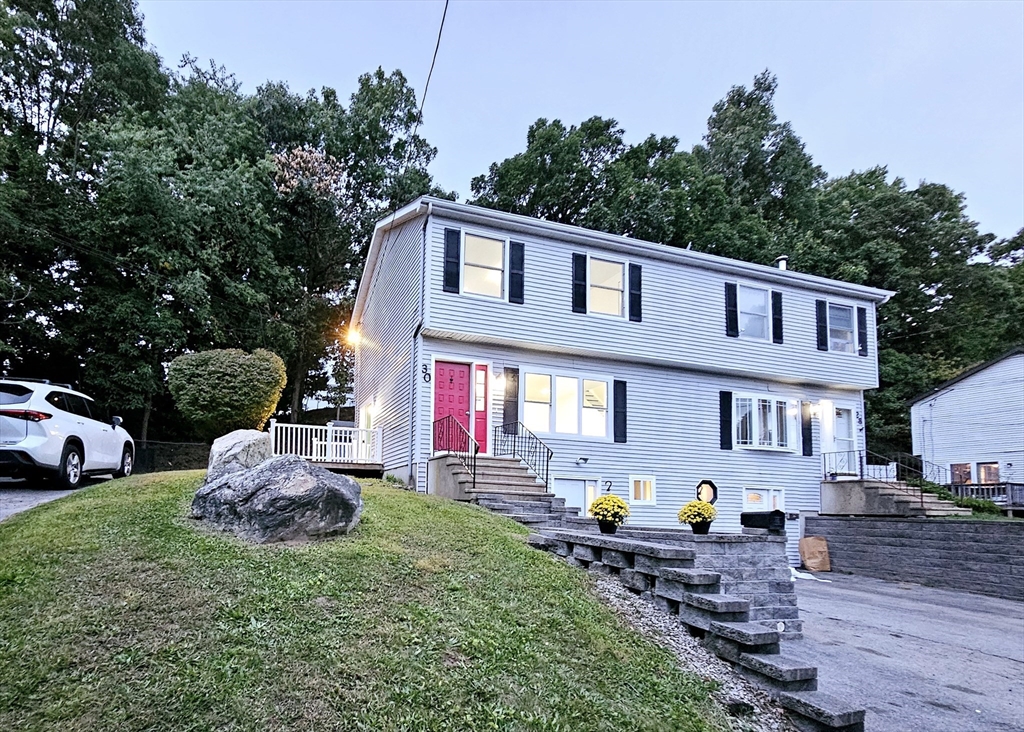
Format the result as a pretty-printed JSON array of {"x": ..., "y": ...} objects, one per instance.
[
  {"x": 480, "y": 406},
  {"x": 451, "y": 398}
]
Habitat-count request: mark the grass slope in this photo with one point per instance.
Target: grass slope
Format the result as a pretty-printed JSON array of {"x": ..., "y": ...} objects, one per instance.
[{"x": 118, "y": 613}]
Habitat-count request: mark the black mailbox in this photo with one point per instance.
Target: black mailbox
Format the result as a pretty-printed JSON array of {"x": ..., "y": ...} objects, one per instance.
[{"x": 774, "y": 521}]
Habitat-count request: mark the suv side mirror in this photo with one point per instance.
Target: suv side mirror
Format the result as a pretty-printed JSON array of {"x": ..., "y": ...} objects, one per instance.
[{"x": 116, "y": 422}]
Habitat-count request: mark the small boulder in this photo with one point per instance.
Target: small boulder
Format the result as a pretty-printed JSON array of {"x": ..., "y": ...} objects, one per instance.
[
  {"x": 282, "y": 499},
  {"x": 238, "y": 450}
]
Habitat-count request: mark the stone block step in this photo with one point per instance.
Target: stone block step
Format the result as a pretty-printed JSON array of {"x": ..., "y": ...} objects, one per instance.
[
  {"x": 530, "y": 519},
  {"x": 691, "y": 576},
  {"x": 716, "y": 603},
  {"x": 539, "y": 542},
  {"x": 483, "y": 486},
  {"x": 779, "y": 672},
  {"x": 748, "y": 634},
  {"x": 502, "y": 495},
  {"x": 816, "y": 711},
  {"x": 605, "y": 541}
]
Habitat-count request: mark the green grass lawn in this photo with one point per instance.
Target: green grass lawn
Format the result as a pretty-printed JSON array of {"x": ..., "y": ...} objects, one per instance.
[{"x": 119, "y": 613}]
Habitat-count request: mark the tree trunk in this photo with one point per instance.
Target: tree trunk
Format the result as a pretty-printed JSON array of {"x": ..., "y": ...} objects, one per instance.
[
  {"x": 144, "y": 432},
  {"x": 297, "y": 388}
]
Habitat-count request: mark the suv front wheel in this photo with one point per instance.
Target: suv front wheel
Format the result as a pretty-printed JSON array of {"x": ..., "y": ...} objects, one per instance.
[
  {"x": 70, "y": 472},
  {"x": 127, "y": 463}
]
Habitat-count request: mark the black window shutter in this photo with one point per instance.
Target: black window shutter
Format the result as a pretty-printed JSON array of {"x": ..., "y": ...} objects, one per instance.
[
  {"x": 619, "y": 399},
  {"x": 516, "y": 262},
  {"x": 776, "y": 317},
  {"x": 862, "y": 331},
  {"x": 725, "y": 419},
  {"x": 452, "y": 247},
  {"x": 510, "y": 408},
  {"x": 579, "y": 283},
  {"x": 732, "y": 311},
  {"x": 636, "y": 306},
  {"x": 805, "y": 429},
  {"x": 821, "y": 310}
]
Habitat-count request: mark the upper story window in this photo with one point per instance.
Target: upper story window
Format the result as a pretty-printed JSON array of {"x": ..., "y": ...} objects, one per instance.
[
  {"x": 606, "y": 287},
  {"x": 483, "y": 270},
  {"x": 764, "y": 422},
  {"x": 753, "y": 307},
  {"x": 565, "y": 405},
  {"x": 840, "y": 329}
]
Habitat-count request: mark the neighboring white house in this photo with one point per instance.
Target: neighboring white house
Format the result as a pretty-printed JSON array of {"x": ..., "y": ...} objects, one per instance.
[
  {"x": 645, "y": 368},
  {"x": 973, "y": 425}
]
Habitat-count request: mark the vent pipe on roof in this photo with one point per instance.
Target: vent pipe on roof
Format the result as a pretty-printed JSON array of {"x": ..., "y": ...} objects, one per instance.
[{"x": 781, "y": 262}]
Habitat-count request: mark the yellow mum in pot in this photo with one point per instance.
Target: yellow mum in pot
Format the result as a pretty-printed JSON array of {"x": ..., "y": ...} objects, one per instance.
[
  {"x": 609, "y": 508},
  {"x": 697, "y": 512}
]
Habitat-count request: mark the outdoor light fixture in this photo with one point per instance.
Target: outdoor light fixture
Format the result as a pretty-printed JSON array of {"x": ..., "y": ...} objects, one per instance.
[
  {"x": 582, "y": 460},
  {"x": 352, "y": 337}
]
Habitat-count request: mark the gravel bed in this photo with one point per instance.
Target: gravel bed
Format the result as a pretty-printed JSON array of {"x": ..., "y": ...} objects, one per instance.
[{"x": 733, "y": 692}]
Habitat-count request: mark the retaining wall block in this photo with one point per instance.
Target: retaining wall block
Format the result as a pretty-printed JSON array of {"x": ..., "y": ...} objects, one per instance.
[
  {"x": 586, "y": 553},
  {"x": 634, "y": 580},
  {"x": 616, "y": 559}
]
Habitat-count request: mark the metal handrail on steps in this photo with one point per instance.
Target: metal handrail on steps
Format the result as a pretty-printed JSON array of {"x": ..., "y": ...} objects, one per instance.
[
  {"x": 867, "y": 465},
  {"x": 514, "y": 439},
  {"x": 451, "y": 437}
]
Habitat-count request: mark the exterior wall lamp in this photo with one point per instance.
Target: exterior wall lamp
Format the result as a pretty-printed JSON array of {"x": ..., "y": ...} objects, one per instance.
[{"x": 582, "y": 460}]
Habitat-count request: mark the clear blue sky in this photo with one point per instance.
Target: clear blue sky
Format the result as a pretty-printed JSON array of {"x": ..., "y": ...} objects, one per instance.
[{"x": 935, "y": 91}]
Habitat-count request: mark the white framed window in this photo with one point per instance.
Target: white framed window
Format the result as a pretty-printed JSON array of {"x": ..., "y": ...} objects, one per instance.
[
  {"x": 754, "y": 309},
  {"x": 988, "y": 473},
  {"x": 842, "y": 334},
  {"x": 483, "y": 265},
  {"x": 567, "y": 405},
  {"x": 764, "y": 422},
  {"x": 537, "y": 402},
  {"x": 764, "y": 498},
  {"x": 605, "y": 285},
  {"x": 642, "y": 490}
]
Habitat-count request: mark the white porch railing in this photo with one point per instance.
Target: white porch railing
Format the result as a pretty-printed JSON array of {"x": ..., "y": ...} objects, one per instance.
[{"x": 327, "y": 444}]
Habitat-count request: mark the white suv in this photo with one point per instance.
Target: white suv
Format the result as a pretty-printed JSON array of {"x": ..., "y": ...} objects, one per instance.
[{"x": 54, "y": 430}]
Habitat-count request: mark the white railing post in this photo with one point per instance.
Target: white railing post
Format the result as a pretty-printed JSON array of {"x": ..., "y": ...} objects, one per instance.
[{"x": 377, "y": 446}]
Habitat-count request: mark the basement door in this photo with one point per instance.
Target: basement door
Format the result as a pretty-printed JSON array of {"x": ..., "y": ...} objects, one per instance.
[
  {"x": 451, "y": 399},
  {"x": 578, "y": 493}
]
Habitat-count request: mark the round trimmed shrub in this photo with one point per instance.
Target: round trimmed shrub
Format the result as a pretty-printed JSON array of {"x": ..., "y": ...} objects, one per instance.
[{"x": 224, "y": 390}]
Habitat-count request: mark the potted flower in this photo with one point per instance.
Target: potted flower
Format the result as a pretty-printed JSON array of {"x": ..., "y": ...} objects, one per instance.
[
  {"x": 610, "y": 511},
  {"x": 699, "y": 515}
]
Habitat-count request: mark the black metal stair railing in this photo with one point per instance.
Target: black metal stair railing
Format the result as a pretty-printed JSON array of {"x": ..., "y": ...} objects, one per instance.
[
  {"x": 451, "y": 437},
  {"x": 515, "y": 440}
]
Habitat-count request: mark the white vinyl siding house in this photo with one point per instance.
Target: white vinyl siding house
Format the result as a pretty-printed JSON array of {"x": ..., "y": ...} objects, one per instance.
[
  {"x": 973, "y": 425},
  {"x": 646, "y": 369}
]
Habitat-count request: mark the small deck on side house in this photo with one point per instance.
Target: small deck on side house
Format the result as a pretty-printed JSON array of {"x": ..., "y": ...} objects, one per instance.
[{"x": 348, "y": 450}]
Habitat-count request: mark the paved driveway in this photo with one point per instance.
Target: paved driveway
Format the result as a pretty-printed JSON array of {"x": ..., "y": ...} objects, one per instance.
[
  {"x": 919, "y": 659},
  {"x": 20, "y": 495}
]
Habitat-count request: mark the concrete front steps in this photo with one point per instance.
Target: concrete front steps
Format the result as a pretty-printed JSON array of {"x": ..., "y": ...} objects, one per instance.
[
  {"x": 875, "y": 498},
  {"x": 495, "y": 475}
]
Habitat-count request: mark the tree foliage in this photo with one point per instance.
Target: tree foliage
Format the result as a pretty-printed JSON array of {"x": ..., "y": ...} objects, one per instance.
[
  {"x": 146, "y": 214},
  {"x": 751, "y": 191},
  {"x": 224, "y": 390}
]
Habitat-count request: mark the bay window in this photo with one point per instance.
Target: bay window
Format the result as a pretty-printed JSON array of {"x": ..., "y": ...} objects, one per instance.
[
  {"x": 537, "y": 403},
  {"x": 764, "y": 422}
]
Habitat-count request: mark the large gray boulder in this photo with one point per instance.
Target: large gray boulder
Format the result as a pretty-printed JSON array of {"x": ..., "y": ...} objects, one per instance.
[
  {"x": 236, "y": 451},
  {"x": 282, "y": 499}
]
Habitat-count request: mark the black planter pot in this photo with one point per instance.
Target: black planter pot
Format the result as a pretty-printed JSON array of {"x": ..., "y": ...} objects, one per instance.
[
  {"x": 607, "y": 527},
  {"x": 700, "y": 527}
]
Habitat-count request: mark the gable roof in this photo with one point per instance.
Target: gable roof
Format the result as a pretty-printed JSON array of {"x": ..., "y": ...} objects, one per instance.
[
  {"x": 1015, "y": 351},
  {"x": 427, "y": 205}
]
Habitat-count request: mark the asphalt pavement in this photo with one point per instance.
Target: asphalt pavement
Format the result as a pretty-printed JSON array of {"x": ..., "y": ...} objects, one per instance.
[
  {"x": 919, "y": 659},
  {"x": 20, "y": 495}
]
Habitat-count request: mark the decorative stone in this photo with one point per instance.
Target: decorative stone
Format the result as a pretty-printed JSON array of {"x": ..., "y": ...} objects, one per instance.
[
  {"x": 236, "y": 451},
  {"x": 282, "y": 499}
]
